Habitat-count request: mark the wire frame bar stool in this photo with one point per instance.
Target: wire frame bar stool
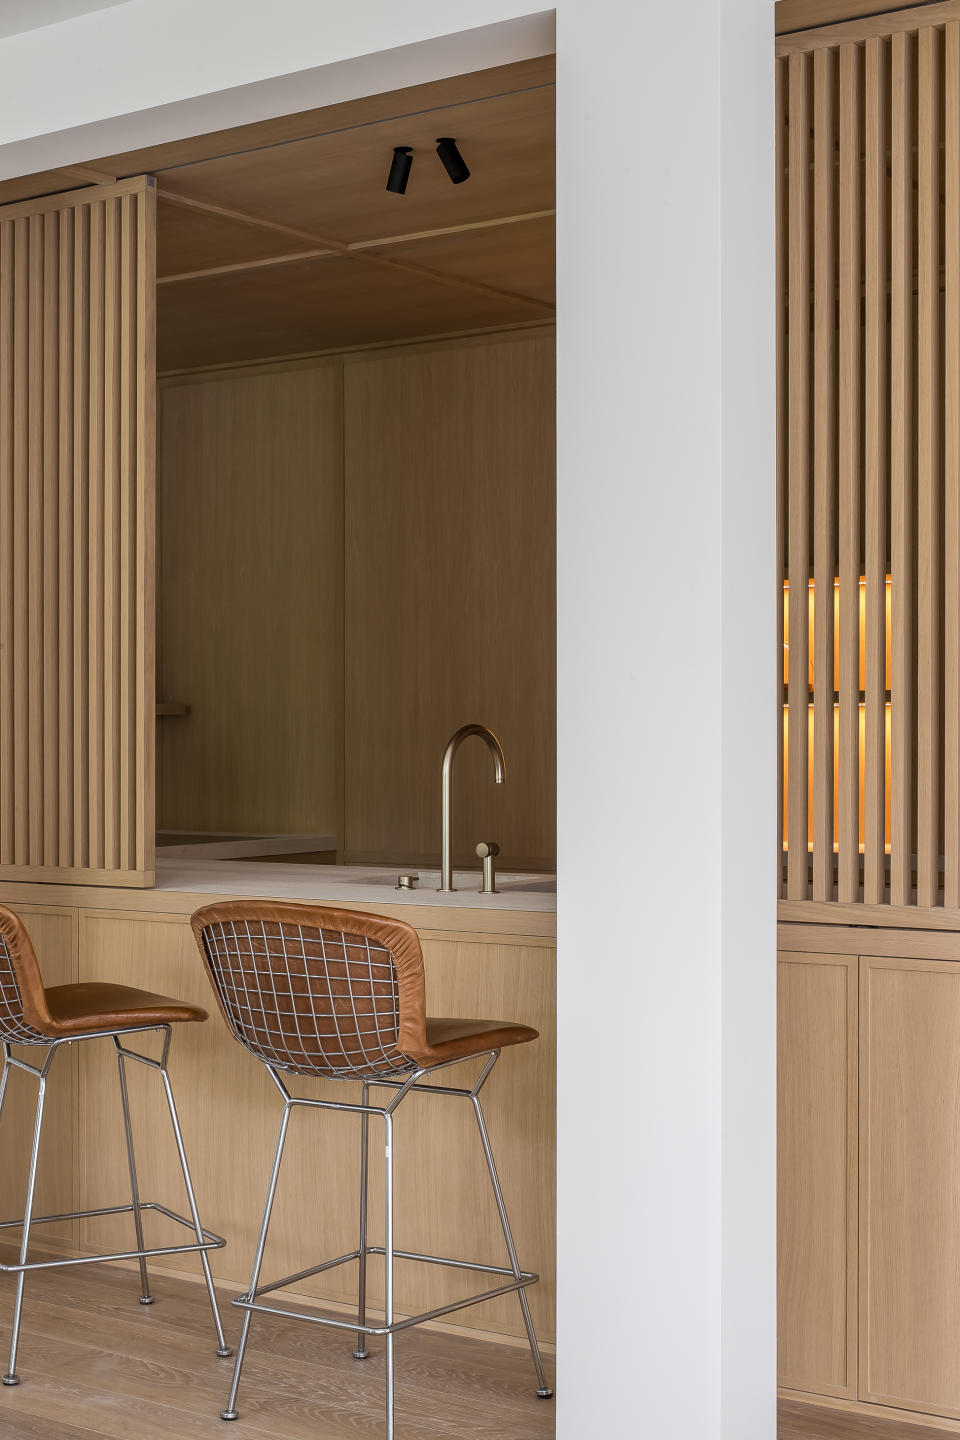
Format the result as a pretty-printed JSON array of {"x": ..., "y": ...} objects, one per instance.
[
  {"x": 340, "y": 995},
  {"x": 51, "y": 1018}
]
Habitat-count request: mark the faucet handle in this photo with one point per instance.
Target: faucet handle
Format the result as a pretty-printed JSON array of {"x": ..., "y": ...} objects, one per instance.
[{"x": 488, "y": 850}]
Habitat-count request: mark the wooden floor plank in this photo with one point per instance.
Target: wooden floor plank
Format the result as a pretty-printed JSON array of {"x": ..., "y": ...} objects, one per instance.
[
  {"x": 96, "y": 1365},
  {"x": 800, "y": 1421}
]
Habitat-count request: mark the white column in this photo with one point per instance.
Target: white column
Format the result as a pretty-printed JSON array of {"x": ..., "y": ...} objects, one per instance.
[{"x": 667, "y": 713}]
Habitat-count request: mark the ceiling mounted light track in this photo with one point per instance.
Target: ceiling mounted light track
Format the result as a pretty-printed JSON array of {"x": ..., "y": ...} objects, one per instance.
[
  {"x": 453, "y": 161},
  {"x": 400, "y": 169}
]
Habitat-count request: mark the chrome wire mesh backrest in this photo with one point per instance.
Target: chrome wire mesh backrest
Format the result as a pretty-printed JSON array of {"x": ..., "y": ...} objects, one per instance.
[
  {"x": 13, "y": 1027},
  {"x": 307, "y": 999}
]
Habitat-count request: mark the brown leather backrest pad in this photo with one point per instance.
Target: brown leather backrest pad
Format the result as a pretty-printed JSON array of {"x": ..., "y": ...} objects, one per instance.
[
  {"x": 315, "y": 988},
  {"x": 24, "y": 1014}
]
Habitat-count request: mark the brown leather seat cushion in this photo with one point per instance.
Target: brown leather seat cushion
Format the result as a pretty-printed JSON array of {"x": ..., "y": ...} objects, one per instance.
[
  {"x": 91, "y": 1005},
  {"x": 455, "y": 1039}
]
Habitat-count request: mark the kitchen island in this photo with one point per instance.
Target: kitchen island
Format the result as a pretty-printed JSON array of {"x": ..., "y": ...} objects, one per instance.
[{"x": 490, "y": 956}]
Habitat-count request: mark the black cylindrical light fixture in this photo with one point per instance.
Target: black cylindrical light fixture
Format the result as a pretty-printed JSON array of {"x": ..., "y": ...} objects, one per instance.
[
  {"x": 453, "y": 161},
  {"x": 400, "y": 169}
]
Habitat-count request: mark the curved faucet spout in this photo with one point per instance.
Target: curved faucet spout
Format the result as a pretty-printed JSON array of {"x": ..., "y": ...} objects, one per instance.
[{"x": 499, "y": 771}]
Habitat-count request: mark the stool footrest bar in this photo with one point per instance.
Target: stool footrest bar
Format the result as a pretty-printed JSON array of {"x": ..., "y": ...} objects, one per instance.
[
  {"x": 243, "y": 1302},
  {"x": 306, "y": 1274},
  {"x": 210, "y": 1240},
  {"x": 442, "y": 1260}
]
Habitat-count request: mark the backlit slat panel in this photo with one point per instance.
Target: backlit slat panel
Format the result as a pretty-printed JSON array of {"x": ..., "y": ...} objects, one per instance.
[
  {"x": 902, "y": 463},
  {"x": 798, "y": 511},
  {"x": 76, "y": 536},
  {"x": 850, "y": 463},
  {"x": 929, "y": 469},
  {"x": 781, "y": 161},
  {"x": 876, "y": 342},
  {"x": 891, "y": 388},
  {"x": 824, "y": 464}
]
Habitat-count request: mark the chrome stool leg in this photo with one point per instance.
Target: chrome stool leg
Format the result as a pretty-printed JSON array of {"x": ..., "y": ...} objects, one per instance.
[
  {"x": 4, "y": 1074},
  {"x": 11, "y": 1377},
  {"x": 544, "y": 1391},
  {"x": 145, "y": 1297},
  {"x": 223, "y": 1349},
  {"x": 231, "y": 1412},
  {"x": 388, "y": 1264},
  {"x": 361, "y": 1352}
]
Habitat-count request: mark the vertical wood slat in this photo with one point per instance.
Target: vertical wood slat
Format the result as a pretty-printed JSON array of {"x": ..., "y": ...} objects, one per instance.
[
  {"x": 95, "y": 538},
  {"x": 902, "y": 492},
  {"x": 111, "y": 534},
  {"x": 142, "y": 579},
  {"x": 65, "y": 409},
  {"x": 20, "y": 779},
  {"x": 849, "y": 446},
  {"x": 50, "y": 510},
  {"x": 876, "y": 405},
  {"x": 7, "y": 751},
  {"x": 798, "y": 473},
  {"x": 77, "y": 437},
  {"x": 824, "y": 466},
  {"x": 951, "y": 847},
  {"x": 35, "y": 656},
  {"x": 781, "y": 86},
  {"x": 928, "y": 468},
  {"x": 81, "y": 548},
  {"x": 127, "y": 475}
]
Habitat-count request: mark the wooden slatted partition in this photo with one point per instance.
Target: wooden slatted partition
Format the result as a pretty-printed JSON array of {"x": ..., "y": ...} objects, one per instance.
[
  {"x": 869, "y": 485},
  {"x": 77, "y": 459}
]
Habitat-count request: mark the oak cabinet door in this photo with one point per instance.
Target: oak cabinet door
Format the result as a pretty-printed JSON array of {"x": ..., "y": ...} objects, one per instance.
[
  {"x": 817, "y": 1173},
  {"x": 910, "y": 1184}
]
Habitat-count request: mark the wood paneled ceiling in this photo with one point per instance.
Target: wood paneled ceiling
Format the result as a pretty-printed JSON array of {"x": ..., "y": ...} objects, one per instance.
[{"x": 280, "y": 238}]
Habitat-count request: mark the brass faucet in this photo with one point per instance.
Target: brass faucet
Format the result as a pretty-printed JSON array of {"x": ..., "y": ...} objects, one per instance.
[{"x": 499, "y": 770}]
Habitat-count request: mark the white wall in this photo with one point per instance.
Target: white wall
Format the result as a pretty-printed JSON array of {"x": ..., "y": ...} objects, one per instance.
[{"x": 666, "y": 601}]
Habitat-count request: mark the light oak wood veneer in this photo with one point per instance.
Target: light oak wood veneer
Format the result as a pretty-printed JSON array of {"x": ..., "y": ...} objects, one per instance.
[
  {"x": 450, "y": 609},
  {"x": 77, "y": 400},
  {"x": 251, "y": 602},
  {"x": 230, "y": 1112},
  {"x": 381, "y": 573},
  {"x": 817, "y": 1172}
]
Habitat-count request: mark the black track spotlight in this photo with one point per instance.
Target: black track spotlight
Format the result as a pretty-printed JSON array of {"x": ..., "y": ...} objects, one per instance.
[
  {"x": 453, "y": 161},
  {"x": 400, "y": 169}
]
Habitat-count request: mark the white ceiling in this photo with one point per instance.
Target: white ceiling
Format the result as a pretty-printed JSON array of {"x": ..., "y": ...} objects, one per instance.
[{"x": 16, "y": 16}]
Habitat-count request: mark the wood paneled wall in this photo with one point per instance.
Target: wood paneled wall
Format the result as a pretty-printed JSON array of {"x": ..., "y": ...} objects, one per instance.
[
  {"x": 251, "y": 602},
  {"x": 343, "y": 586},
  {"x": 450, "y": 514},
  {"x": 77, "y": 535},
  {"x": 869, "y": 412}
]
